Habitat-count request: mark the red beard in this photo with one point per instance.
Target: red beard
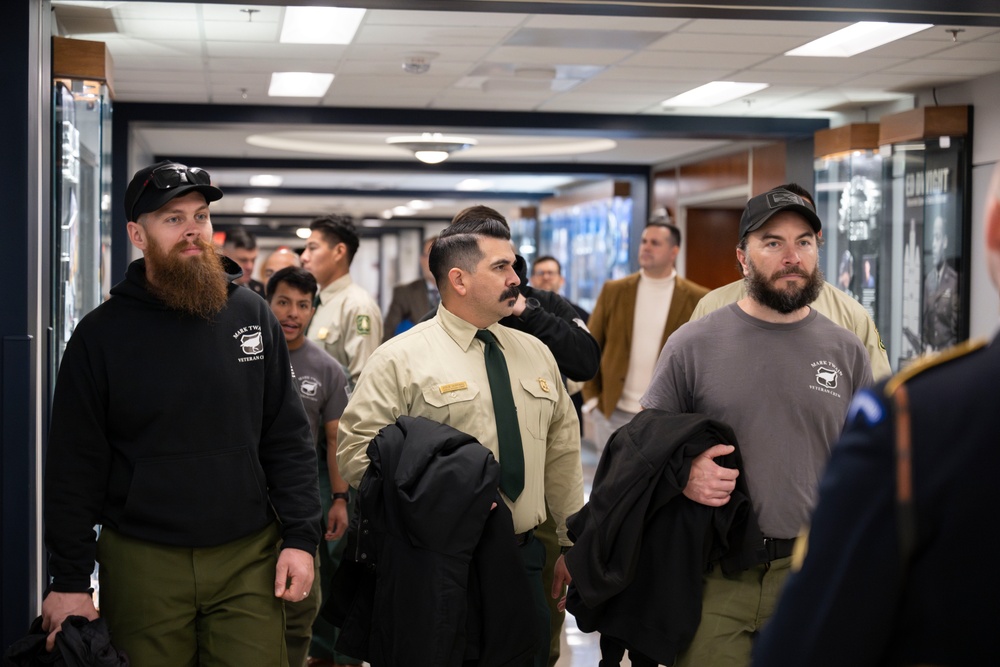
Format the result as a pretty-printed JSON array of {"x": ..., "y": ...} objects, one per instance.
[{"x": 196, "y": 285}]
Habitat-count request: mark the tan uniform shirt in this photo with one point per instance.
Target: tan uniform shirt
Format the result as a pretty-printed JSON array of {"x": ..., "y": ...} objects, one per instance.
[
  {"x": 836, "y": 305},
  {"x": 347, "y": 324},
  {"x": 437, "y": 370}
]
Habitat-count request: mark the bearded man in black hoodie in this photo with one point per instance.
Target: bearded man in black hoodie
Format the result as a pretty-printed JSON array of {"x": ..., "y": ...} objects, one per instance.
[{"x": 176, "y": 427}]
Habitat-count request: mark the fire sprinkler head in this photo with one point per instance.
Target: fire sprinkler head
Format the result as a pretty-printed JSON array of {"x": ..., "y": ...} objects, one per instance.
[{"x": 419, "y": 62}]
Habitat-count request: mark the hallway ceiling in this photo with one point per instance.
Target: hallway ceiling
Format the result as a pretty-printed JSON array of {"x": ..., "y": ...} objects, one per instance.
[{"x": 497, "y": 76}]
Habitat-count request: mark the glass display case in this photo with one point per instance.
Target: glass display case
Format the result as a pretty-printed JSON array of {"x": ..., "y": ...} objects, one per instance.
[
  {"x": 849, "y": 202},
  {"x": 80, "y": 259},
  {"x": 81, "y": 196},
  {"x": 896, "y": 229},
  {"x": 928, "y": 215},
  {"x": 591, "y": 241}
]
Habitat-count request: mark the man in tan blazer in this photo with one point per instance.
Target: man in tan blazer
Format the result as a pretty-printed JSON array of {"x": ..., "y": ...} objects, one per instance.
[
  {"x": 412, "y": 301},
  {"x": 632, "y": 320}
]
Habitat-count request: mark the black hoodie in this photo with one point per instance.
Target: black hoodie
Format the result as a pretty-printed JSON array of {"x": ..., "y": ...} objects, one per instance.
[{"x": 174, "y": 429}]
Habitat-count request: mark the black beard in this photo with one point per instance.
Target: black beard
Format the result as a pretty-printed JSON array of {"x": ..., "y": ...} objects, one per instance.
[
  {"x": 787, "y": 300},
  {"x": 196, "y": 285}
]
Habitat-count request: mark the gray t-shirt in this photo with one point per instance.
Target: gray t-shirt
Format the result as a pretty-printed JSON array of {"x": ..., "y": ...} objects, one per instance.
[
  {"x": 783, "y": 388},
  {"x": 322, "y": 387}
]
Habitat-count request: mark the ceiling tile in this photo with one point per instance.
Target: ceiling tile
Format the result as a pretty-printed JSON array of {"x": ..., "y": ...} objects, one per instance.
[
  {"x": 727, "y": 61},
  {"x": 581, "y": 56},
  {"x": 242, "y": 32},
  {"x": 948, "y": 67},
  {"x": 430, "y": 18},
  {"x": 592, "y": 39},
  {"x": 430, "y": 35},
  {"x": 805, "y": 29},
  {"x": 725, "y": 43},
  {"x": 156, "y": 29},
  {"x": 637, "y": 23}
]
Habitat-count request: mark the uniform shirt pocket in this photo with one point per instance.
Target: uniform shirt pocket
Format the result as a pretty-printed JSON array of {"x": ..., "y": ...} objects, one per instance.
[
  {"x": 536, "y": 404},
  {"x": 453, "y": 404}
]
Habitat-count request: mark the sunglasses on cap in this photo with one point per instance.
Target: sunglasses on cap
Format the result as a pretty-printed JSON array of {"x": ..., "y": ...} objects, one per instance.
[{"x": 171, "y": 176}]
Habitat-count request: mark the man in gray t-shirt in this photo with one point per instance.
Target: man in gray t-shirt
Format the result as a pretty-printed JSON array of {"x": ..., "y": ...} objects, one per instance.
[
  {"x": 782, "y": 375},
  {"x": 322, "y": 386}
]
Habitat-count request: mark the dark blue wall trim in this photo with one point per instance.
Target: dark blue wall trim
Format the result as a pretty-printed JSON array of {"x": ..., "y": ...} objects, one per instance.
[
  {"x": 413, "y": 194},
  {"x": 614, "y": 126},
  {"x": 210, "y": 162}
]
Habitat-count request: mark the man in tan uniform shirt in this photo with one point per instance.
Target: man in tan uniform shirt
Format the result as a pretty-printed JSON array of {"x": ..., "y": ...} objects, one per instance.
[
  {"x": 348, "y": 322},
  {"x": 437, "y": 370}
]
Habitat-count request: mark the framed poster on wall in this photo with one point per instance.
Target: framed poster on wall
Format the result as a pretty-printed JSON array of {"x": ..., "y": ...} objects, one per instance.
[{"x": 930, "y": 187}]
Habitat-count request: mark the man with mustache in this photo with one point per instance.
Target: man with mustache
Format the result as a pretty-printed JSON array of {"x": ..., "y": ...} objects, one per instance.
[
  {"x": 782, "y": 376},
  {"x": 439, "y": 370},
  {"x": 176, "y": 426}
]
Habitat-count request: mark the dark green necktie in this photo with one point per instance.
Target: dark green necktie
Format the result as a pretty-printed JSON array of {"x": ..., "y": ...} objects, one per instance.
[{"x": 508, "y": 431}]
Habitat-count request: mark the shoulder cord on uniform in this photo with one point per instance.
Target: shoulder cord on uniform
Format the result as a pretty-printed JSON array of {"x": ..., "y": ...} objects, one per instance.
[{"x": 905, "y": 512}]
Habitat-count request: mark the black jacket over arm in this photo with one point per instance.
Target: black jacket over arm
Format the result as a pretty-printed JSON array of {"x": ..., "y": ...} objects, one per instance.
[
  {"x": 431, "y": 576},
  {"x": 641, "y": 547}
]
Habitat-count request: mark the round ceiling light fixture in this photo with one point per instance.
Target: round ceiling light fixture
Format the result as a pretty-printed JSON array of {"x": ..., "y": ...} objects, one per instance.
[{"x": 432, "y": 147}]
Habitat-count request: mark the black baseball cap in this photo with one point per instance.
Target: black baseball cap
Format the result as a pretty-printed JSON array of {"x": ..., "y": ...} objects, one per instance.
[
  {"x": 155, "y": 185},
  {"x": 763, "y": 207}
]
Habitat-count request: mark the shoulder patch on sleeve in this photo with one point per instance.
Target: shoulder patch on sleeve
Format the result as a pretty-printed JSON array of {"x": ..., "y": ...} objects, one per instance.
[
  {"x": 364, "y": 324},
  {"x": 866, "y": 405}
]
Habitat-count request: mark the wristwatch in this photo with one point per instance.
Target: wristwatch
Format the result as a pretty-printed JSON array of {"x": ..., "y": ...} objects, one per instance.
[{"x": 340, "y": 495}]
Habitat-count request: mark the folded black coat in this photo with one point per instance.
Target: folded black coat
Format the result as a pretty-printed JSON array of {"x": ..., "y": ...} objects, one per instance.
[
  {"x": 431, "y": 576},
  {"x": 80, "y": 643},
  {"x": 641, "y": 547}
]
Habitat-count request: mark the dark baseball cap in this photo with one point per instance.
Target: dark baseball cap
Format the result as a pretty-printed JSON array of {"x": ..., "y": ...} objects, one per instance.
[
  {"x": 763, "y": 207},
  {"x": 155, "y": 185}
]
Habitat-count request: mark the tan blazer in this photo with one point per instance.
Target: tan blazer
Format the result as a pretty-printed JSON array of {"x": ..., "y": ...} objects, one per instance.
[{"x": 611, "y": 324}]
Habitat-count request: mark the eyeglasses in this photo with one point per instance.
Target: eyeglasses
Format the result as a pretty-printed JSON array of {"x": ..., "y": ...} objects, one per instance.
[{"x": 171, "y": 176}]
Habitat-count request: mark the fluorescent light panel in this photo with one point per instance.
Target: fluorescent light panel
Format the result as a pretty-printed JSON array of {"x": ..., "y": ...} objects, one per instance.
[
  {"x": 714, "y": 93},
  {"x": 266, "y": 180},
  {"x": 256, "y": 205},
  {"x": 299, "y": 84},
  {"x": 320, "y": 25},
  {"x": 857, "y": 38}
]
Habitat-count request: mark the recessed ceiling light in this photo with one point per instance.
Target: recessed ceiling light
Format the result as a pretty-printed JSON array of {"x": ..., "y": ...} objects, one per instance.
[
  {"x": 857, "y": 38},
  {"x": 402, "y": 210},
  {"x": 303, "y": 232},
  {"x": 714, "y": 93},
  {"x": 320, "y": 25},
  {"x": 266, "y": 180},
  {"x": 299, "y": 84},
  {"x": 420, "y": 205}
]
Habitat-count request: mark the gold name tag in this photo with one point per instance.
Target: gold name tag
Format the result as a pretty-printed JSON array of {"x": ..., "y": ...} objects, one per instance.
[{"x": 454, "y": 386}]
